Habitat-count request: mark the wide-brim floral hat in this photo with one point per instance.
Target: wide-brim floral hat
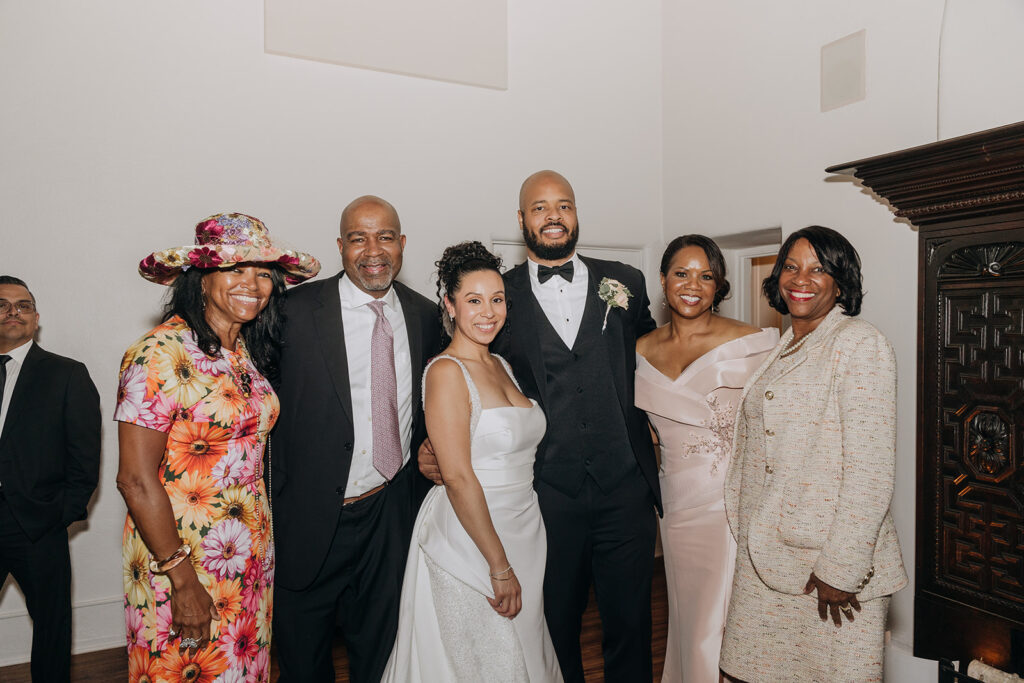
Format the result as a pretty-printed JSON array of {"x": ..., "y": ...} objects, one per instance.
[{"x": 225, "y": 239}]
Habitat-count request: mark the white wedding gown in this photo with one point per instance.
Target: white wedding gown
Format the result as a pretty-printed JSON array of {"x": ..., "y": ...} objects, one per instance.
[{"x": 447, "y": 631}]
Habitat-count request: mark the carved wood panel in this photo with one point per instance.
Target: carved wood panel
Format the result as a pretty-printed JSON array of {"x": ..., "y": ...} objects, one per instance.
[
  {"x": 981, "y": 548},
  {"x": 974, "y": 401}
]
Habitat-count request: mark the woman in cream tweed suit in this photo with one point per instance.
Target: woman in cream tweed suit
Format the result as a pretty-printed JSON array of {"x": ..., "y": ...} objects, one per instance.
[{"x": 809, "y": 486}]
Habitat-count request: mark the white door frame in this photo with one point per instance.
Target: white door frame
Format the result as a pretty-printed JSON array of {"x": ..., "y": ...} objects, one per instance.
[{"x": 738, "y": 265}]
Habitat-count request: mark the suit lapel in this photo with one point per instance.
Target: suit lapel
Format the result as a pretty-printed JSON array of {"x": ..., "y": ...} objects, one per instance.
[
  {"x": 835, "y": 317},
  {"x": 330, "y": 334},
  {"x": 756, "y": 374},
  {"x": 414, "y": 328},
  {"x": 525, "y": 340},
  {"x": 612, "y": 334},
  {"x": 26, "y": 378}
]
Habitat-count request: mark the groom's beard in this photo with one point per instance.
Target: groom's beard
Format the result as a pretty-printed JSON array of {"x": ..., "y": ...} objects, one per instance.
[{"x": 552, "y": 252}]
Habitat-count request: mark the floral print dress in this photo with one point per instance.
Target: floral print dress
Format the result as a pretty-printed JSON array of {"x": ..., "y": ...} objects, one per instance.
[{"x": 216, "y": 413}]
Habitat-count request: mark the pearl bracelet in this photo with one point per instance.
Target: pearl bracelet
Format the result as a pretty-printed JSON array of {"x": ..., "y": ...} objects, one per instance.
[{"x": 503, "y": 571}]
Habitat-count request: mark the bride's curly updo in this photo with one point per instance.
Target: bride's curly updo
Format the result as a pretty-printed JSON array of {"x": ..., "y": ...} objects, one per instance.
[{"x": 456, "y": 261}]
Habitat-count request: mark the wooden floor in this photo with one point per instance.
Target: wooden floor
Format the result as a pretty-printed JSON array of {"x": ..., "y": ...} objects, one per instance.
[{"x": 112, "y": 665}]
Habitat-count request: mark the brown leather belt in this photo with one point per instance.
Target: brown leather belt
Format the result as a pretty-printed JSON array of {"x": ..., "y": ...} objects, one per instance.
[{"x": 361, "y": 496}]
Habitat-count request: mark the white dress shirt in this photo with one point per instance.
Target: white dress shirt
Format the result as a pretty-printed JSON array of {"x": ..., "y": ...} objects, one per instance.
[
  {"x": 563, "y": 302},
  {"x": 13, "y": 370},
  {"x": 358, "y": 319}
]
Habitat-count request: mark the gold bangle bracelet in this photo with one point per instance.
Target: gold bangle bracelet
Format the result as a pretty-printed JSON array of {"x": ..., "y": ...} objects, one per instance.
[{"x": 177, "y": 557}]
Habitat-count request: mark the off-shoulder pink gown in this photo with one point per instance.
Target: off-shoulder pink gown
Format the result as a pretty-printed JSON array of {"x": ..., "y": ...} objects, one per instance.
[{"x": 694, "y": 416}]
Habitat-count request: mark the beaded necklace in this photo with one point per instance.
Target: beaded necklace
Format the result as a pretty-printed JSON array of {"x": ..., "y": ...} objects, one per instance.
[
  {"x": 243, "y": 380},
  {"x": 793, "y": 346}
]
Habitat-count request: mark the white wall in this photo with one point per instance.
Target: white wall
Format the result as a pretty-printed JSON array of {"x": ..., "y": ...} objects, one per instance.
[
  {"x": 125, "y": 122},
  {"x": 980, "y": 62},
  {"x": 745, "y": 146}
]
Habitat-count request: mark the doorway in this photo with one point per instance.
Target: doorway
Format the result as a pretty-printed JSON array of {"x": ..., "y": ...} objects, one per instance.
[{"x": 749, "y": 258}]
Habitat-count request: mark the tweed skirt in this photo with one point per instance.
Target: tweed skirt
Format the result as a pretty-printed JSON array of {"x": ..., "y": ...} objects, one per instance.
[{"x": 772, "y": 636}]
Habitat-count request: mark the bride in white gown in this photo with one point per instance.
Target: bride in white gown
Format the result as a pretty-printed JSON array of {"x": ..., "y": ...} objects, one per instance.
[{"x": 472, "y": 607}]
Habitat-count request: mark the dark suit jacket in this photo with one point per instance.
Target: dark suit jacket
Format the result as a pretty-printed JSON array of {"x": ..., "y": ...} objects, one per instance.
[
  {"x": 50, "y": 445},
  {"x": 519, "y": 343},
  {"x": 311, "y": 445}
]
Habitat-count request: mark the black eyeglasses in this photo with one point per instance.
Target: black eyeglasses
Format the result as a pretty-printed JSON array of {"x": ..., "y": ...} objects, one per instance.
[{"x": 19, "y": 306}]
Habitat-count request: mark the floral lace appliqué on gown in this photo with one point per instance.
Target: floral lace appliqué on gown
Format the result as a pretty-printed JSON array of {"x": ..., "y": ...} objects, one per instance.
[{"x": 718, "y": 442}]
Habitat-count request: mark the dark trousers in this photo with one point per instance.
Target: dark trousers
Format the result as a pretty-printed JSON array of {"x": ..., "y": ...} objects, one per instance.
[
  {"x": 42, "y": 569},
  {"x": 607, "y": 538},
  {"x": 357, "y": 589}
]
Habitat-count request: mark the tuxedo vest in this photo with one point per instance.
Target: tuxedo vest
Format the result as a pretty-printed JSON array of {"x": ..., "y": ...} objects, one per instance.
[{"x": 587, "y": 432}]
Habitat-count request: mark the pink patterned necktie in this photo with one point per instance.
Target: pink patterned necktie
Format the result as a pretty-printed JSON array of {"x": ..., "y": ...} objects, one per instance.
[{"x": 387, "y": 443}]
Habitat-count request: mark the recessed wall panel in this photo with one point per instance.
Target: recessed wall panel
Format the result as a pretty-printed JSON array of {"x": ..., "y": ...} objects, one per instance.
[
  {"x": 843, "y": 71},
  {"x": 465, "y": 41}
]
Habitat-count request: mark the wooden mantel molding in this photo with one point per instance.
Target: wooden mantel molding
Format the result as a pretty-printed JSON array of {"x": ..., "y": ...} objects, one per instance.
[{"x": 976, "y": 175}]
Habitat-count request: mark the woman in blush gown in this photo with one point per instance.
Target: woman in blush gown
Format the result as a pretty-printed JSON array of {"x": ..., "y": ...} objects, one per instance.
[
  {"x": 689, "y": 376},
  {"x": 472, "y": 604}
]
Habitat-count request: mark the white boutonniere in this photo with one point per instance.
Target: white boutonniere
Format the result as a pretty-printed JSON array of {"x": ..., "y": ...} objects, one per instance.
[{"x": 615, "y": 295}]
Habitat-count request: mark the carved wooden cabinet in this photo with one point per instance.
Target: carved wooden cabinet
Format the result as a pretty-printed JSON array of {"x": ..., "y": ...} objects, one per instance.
[{"x": 966, "y": 197}]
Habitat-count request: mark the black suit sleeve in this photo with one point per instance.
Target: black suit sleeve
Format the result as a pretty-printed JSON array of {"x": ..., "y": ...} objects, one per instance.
[
  {"x": 645, "y": 322},
  {"x": 82, "y": 420},
  {"x": 502, "y": 343},
  {"x": 433, "y": 344}
]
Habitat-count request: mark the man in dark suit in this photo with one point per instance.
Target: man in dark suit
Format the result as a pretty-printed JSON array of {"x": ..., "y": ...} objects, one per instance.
[
  {"x": 49, "y": 467},
  {"x": 573, "y": 350},
  {"x": 344, "y": 497},
  {"x": 570, "y": 338}
]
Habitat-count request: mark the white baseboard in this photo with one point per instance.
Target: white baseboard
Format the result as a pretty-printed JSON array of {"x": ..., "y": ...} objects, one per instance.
[
  {"x": 901, "y": 666},
  {"x": 96, "y": 624}
]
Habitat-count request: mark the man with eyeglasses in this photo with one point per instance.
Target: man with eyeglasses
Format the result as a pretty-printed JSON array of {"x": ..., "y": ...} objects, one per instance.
[{"x": 49, "y": 466}]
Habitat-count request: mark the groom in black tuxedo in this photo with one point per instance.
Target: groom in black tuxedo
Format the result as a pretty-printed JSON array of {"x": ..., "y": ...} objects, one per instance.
[
  {"x": 343, "y": 518},
  {"x": 49, "y": 466},
  {"x": 595, "y": 474}
]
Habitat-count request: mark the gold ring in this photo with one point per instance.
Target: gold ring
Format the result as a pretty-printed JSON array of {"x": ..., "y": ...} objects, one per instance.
[{"x": 847, "y": 611}]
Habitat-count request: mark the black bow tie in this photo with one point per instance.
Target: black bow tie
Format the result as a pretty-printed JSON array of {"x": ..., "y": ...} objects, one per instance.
[{"x": 545, "y": 273}]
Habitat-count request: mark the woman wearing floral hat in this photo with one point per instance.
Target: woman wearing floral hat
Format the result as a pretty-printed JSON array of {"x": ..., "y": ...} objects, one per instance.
[{"x": 195, "y": 405}]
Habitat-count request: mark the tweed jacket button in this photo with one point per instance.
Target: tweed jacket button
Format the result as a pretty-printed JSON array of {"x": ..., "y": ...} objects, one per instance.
[
  {"x": 769, "y": 432},
  {"x": 769, "y": 469},
  {"x": 769, "y": 395}
]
